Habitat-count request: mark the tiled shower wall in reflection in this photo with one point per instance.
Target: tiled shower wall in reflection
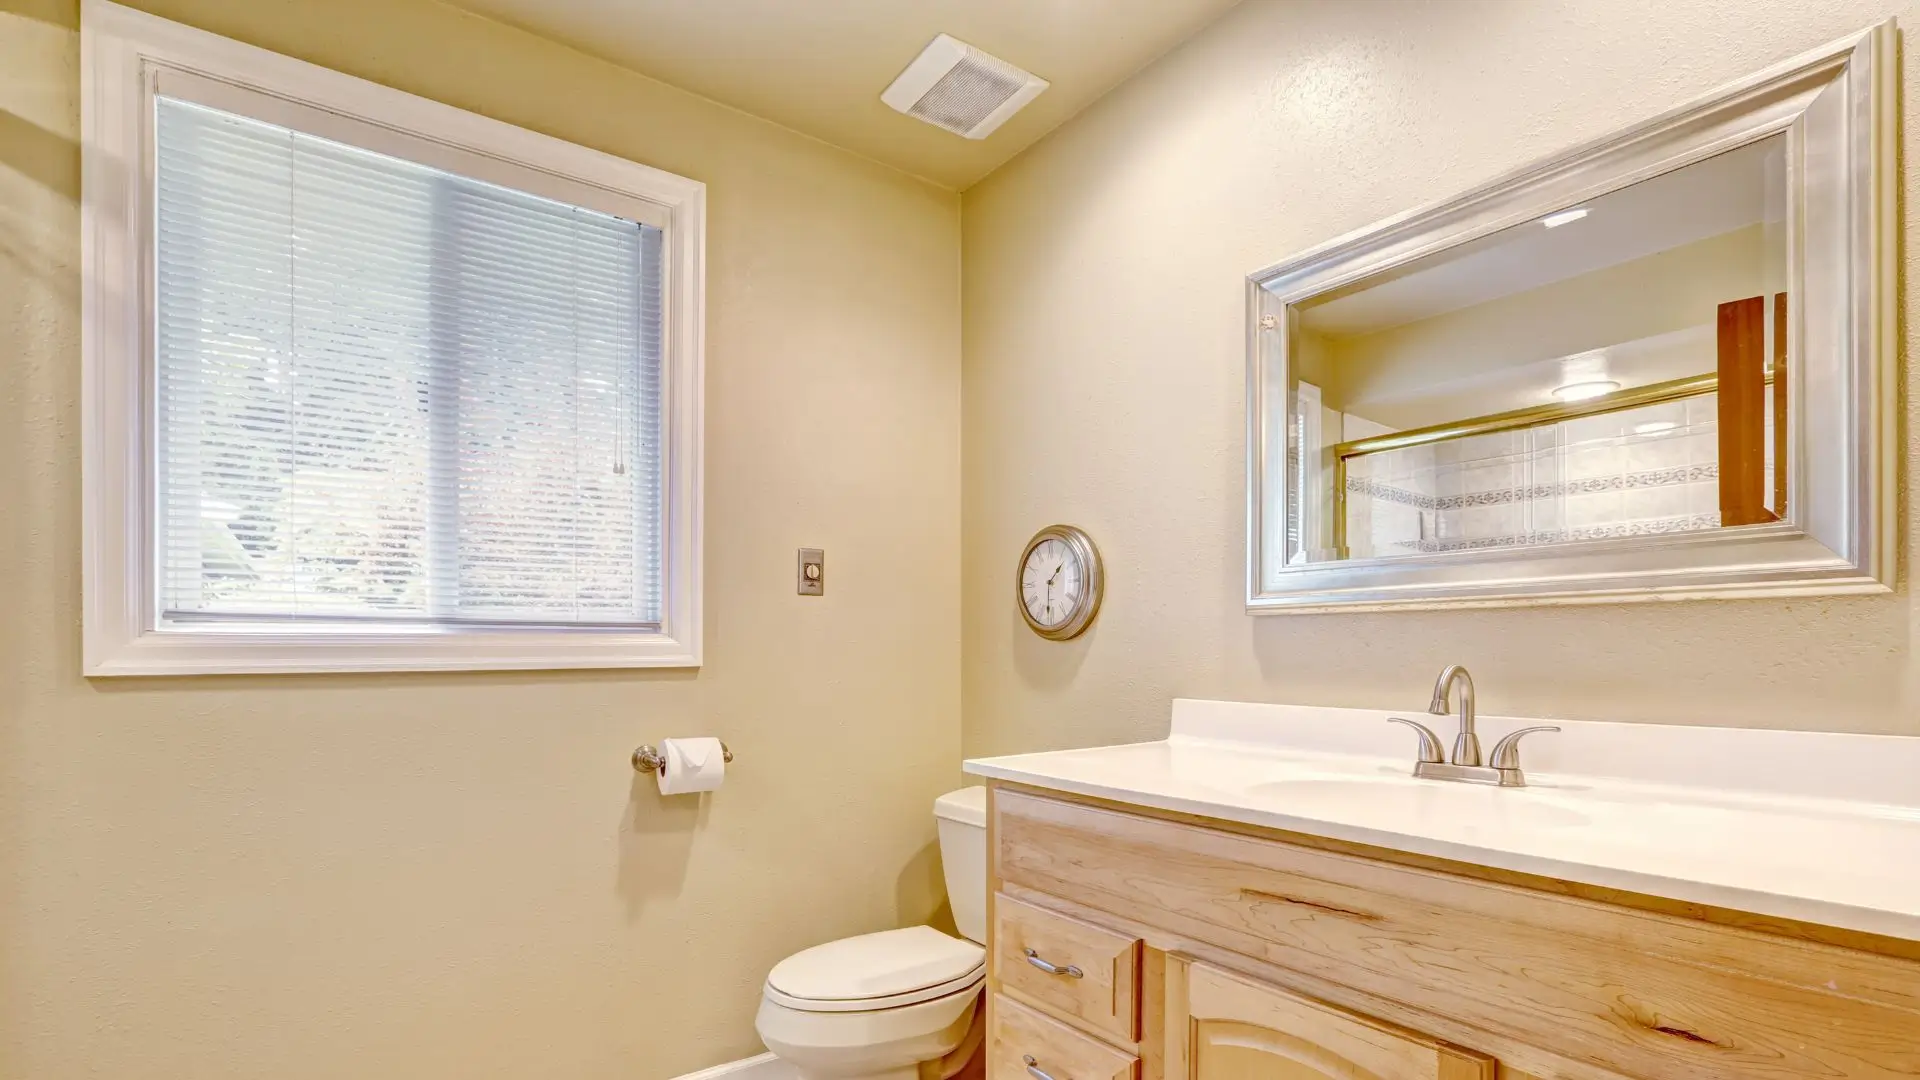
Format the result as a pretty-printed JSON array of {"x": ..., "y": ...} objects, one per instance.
[{"x": 1652, "y": 469}]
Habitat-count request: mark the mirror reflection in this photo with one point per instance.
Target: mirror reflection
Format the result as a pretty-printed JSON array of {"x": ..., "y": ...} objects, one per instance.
[{"x": 1613, "y": 369}]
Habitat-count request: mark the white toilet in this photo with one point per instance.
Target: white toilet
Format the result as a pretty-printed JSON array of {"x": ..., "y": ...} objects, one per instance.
[{"x": 899, "y": 1004}]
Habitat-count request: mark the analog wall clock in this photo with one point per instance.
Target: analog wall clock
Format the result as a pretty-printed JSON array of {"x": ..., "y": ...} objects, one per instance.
[{"x": 1059, "y": 582}]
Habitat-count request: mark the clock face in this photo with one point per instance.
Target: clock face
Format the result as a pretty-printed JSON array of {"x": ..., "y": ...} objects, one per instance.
[
  {"x": 1052, "y": 583},
  {"x": 1059, "y": 582}
]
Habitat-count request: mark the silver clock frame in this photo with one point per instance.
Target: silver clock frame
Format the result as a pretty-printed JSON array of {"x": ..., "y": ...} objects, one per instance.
[
  {"x": 1837, "y": 109},
  {"x": 1081, "y": 548}
]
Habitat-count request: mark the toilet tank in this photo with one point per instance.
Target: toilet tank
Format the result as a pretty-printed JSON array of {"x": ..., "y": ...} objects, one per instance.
[{"x": 962, "y": 818}]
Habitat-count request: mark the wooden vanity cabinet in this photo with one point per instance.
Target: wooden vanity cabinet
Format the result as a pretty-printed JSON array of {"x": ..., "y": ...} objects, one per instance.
[{"x": 1129, "y": 945}]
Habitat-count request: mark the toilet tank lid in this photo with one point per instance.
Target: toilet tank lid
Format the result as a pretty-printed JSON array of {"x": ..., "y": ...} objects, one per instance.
[
  {"x": 877, "y": 966},
  {"x": 967, "y": 806}
]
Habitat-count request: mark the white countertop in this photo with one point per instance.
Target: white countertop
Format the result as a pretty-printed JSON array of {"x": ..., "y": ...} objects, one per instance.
[{"x": 1815, "y": 827}]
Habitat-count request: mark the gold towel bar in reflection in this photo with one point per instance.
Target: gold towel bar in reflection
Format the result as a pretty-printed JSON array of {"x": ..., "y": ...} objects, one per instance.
[{"x": 648, "y": 760}]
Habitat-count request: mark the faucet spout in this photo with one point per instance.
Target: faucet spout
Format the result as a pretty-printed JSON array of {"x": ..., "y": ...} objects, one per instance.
[{"x": 1466, "y": 746}]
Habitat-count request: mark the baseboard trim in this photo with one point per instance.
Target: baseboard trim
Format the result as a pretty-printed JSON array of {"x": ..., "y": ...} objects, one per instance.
[{"x": 759, "y": 1067}]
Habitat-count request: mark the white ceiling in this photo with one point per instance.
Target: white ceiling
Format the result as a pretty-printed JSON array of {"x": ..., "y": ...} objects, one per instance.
[{"x": 818, "y": 66}]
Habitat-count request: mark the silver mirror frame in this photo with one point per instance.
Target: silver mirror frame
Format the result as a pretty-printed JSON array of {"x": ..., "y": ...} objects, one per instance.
[{"x": 1837, "y": 107}]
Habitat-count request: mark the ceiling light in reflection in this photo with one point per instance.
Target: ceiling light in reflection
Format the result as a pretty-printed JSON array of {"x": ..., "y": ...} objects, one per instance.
[
  {"x": 1654, "y": 427},
  {"x": 1564, "y": 217},
  {"x": 1581, "y": 391}
]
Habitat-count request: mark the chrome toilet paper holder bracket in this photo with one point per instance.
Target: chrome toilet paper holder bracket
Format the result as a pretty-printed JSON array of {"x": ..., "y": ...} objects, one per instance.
[{"x": 646, "y": 759}]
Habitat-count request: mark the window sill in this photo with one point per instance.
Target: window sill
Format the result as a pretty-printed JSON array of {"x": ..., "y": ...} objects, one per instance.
[{"x": 262, "y": 652}]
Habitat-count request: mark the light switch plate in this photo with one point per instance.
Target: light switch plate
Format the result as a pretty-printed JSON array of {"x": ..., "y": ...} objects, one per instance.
[{"x": 813, "y": 572}]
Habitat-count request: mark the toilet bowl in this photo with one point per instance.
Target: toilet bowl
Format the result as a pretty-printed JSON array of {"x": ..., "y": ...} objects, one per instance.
[{"x": 899, "y": 1004}]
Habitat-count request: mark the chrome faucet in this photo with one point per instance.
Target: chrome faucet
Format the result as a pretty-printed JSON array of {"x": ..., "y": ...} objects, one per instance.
[
  {"x": 1503, "y": 767},
  {"x": 1466, "y": 746}
]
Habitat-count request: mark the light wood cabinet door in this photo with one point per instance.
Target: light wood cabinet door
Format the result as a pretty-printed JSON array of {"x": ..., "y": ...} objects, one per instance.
[{"x": 1222, "y": 1026}]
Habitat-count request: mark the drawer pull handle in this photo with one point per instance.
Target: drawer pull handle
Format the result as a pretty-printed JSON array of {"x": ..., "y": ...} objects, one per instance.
[
  {"x": 1069, "y": 971},
  {"x": 1033, "y": 1068}
]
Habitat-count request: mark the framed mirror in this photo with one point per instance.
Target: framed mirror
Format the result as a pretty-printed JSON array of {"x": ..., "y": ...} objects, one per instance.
[{"x": 1661, "y": 366}]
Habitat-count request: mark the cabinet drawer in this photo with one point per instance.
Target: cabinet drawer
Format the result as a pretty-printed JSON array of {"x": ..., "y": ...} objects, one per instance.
[
  {"x": 1626, "y": 991},
  {"x": 1095, "y": 971},
  {"x": 1024, "y": 1045}
]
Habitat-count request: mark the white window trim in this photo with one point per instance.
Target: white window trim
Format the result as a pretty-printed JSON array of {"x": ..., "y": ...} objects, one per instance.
[{"x": 123, "y": 52}]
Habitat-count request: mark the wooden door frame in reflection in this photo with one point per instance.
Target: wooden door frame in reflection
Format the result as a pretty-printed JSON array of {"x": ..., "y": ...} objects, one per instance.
[{"x": 1740, "y": 332}]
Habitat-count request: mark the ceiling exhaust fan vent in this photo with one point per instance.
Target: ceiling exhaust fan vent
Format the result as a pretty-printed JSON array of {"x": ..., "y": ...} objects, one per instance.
[{"x": 955, "y": 86}]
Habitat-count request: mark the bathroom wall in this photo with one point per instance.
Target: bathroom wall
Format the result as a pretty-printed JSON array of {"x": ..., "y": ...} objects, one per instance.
[
  {"x": 1104, "y": 312},
  {"x": 459, "y": 875}
]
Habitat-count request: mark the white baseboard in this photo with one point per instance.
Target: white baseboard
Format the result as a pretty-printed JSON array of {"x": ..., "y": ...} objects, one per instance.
[{"x": 762, "y": 1067}]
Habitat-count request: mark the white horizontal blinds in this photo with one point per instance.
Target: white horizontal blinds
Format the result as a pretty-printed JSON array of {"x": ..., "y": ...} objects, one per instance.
[
  {"x": 385, "y": 391},
  {"x": 556, "y": 479},
  {"x": 293, "y": 357}
]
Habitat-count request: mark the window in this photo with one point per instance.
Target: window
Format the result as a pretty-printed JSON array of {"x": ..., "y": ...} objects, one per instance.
[{"x": 375, "y": 384}]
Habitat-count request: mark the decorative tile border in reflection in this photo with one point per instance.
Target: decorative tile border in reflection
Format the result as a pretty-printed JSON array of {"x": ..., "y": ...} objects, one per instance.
[
  {"x": 1645, "y": 527},
  {"x": 1633, "y": 481},
  {"x": 1374, "y": 489}
]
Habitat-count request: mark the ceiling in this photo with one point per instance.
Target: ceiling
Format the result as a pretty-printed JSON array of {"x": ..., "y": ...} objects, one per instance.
[{"x": 818, "y": 66}]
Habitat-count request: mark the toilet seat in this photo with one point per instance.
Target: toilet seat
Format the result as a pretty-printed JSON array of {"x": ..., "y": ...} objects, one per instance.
[
  {"x": 965, "y": 984},
  {"x": 877, "y": 971}
]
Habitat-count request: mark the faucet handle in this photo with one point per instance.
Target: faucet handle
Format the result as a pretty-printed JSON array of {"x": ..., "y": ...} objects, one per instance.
[
  {"x": 1506, "y": 756},
  {"x": 1430, "y": 750}
]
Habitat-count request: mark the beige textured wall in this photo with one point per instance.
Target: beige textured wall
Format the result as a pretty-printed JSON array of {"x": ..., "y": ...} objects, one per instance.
[
  {"x": 458, "y": 875},
  {"x": 1104, "y": 371}
]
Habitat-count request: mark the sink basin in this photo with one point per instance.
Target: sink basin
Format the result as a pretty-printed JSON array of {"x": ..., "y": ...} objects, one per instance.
[{"x": 1389, "y": 798}]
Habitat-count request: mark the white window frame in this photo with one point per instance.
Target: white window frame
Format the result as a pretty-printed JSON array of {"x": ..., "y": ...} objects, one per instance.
[{"x": 124, "y": 56}]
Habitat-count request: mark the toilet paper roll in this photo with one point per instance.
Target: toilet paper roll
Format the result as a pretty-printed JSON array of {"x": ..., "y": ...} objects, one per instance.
[{"x": 692, "y": 765}]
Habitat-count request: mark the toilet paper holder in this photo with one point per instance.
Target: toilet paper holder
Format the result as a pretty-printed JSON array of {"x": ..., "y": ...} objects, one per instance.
[{"x": 648, "y": 760}]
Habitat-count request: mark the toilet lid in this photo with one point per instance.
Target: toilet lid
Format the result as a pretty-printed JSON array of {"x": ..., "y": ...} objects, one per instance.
[{"x": 877, "y": 971}]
